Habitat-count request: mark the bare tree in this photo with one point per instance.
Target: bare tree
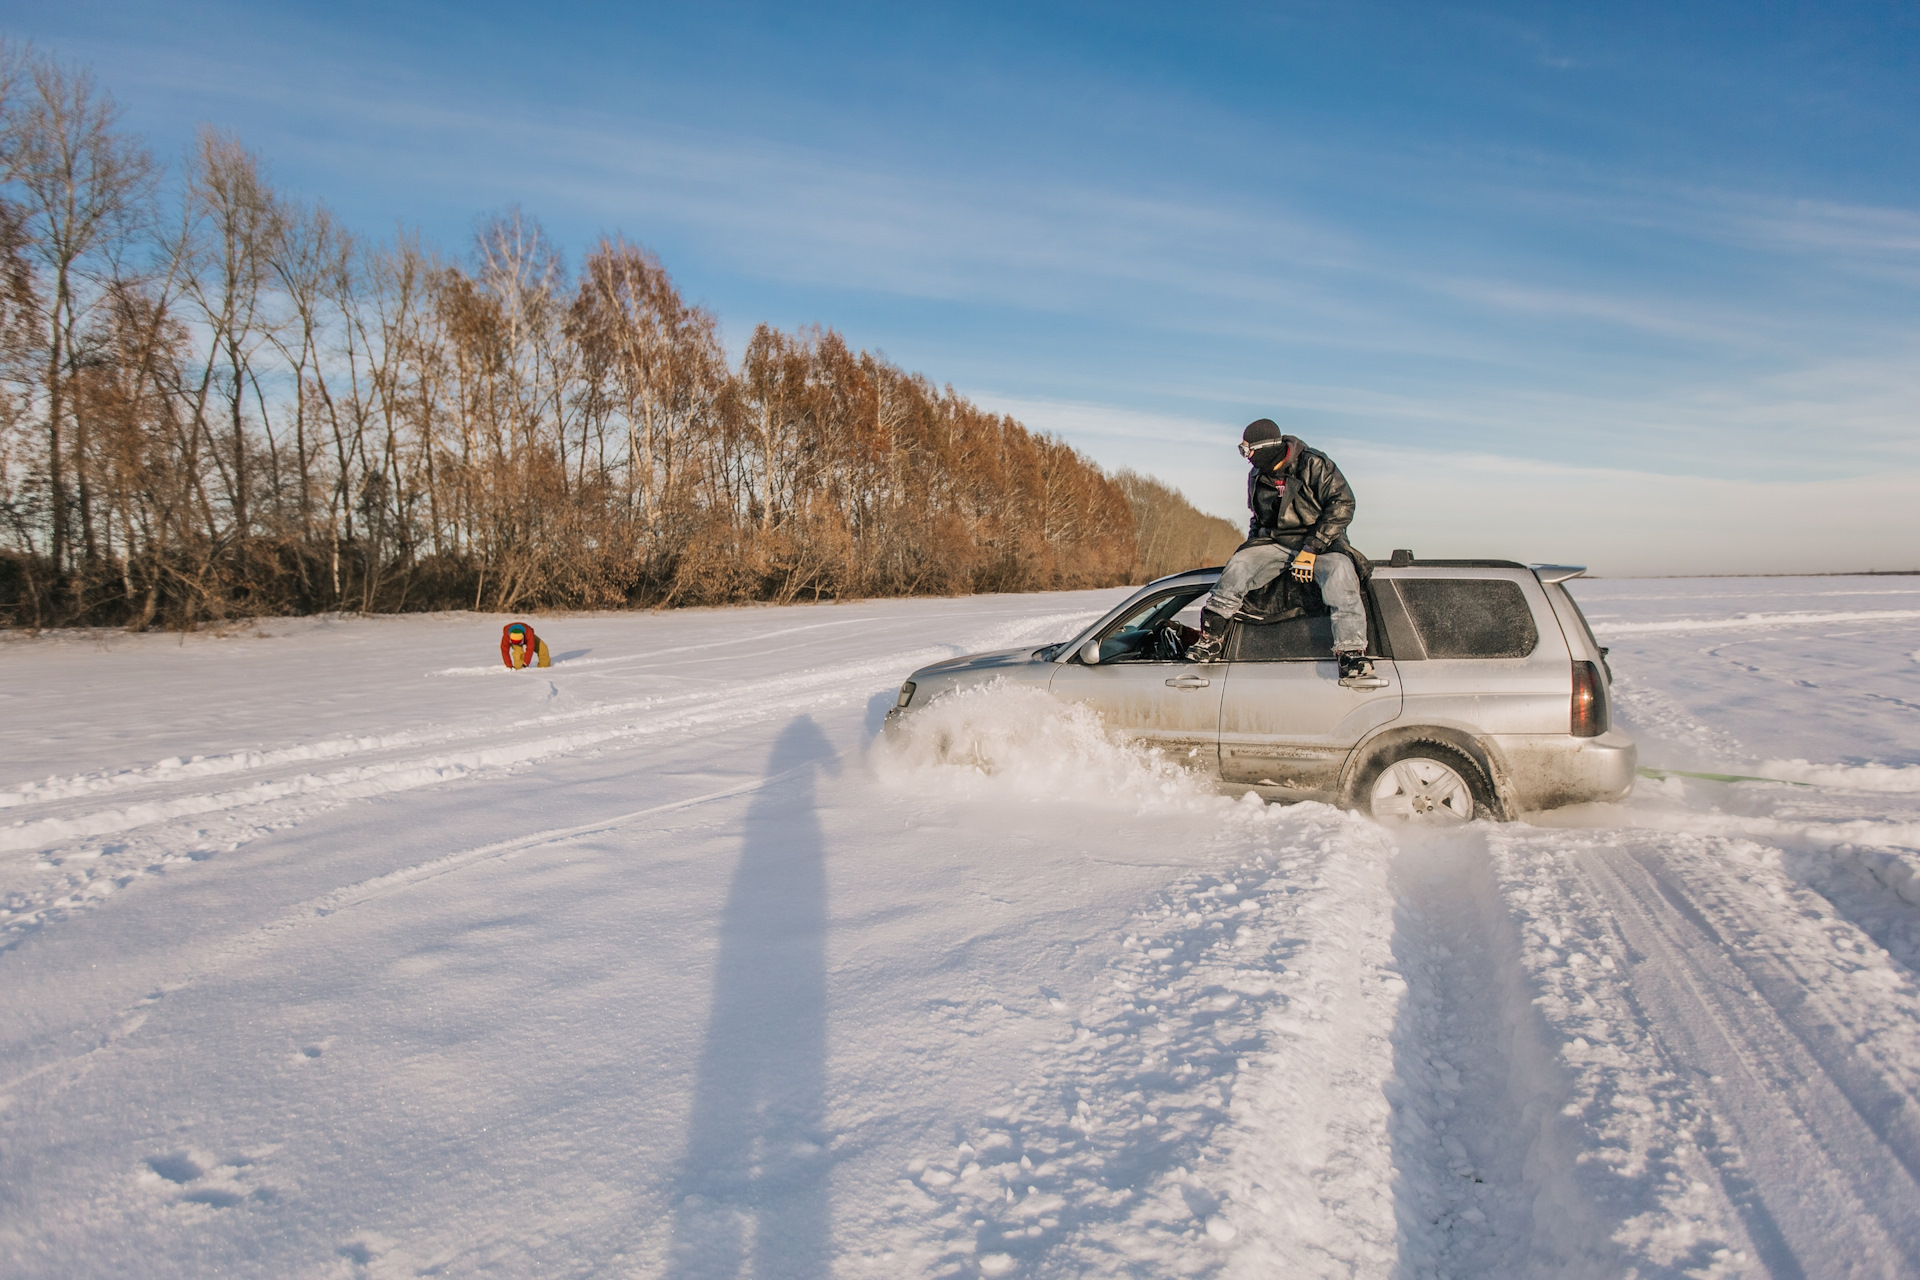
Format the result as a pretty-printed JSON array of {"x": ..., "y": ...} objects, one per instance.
[
  {"x": 234, "y": 228},
  {"x": 84, "y": 188},
  {"x": 665, "y": 376},
  {"x": 308, "y": 256}
]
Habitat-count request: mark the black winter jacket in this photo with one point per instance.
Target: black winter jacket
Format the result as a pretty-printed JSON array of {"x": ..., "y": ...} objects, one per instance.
[{"x": 1309, "y": 502}]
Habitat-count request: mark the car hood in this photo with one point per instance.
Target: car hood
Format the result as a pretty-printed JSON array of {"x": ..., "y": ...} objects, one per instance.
[{"x": 982, "y": 661}]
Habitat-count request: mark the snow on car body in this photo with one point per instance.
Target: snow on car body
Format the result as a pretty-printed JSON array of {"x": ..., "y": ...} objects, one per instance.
[{"x": 1490, "y": 697}]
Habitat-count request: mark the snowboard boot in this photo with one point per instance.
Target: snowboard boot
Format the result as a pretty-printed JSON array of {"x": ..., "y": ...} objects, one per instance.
[
  {"x": 1213, "y": 638},
  {"x": 1356, "y": 670}
]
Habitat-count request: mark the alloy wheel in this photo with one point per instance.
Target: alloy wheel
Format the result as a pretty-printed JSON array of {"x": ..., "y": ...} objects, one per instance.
[{"x": 1421, "y": 790}]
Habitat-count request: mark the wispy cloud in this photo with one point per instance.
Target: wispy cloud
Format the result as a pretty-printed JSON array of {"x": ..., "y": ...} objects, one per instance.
[
  {"x": 1469, "y": 294},
  {"x": 1620, "y": 514}
]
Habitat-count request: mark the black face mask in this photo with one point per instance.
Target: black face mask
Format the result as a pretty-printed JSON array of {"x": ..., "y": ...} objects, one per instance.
[{"x": 1266, "y": 455}]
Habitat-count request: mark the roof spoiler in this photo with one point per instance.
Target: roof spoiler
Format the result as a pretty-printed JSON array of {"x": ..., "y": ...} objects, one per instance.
[{"x": 1557, "y": 572}]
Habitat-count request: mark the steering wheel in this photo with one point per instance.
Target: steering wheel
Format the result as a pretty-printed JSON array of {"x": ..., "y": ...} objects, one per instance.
[{"x": 1168, "y": 644}]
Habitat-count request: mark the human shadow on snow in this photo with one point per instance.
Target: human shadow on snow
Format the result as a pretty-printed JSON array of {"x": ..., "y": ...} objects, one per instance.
[{"x": 753, "y": 1182}]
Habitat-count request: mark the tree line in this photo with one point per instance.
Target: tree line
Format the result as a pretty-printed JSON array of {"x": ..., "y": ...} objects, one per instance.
[{"x": 215, "y": 402}]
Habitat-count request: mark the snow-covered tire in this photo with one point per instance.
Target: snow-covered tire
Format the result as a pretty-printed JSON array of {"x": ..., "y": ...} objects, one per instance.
[{"x": 1425, "y": 784}]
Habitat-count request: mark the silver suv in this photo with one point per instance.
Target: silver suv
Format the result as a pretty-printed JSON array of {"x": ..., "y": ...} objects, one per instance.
[{"x": 1489, "y": 696}]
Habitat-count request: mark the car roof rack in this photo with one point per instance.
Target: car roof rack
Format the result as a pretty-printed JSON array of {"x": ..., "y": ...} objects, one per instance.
[
  {"x": 1557, "y": 572},
  {"x": 1425, "y": 563},
  {"x": 1545, "y": 572}
]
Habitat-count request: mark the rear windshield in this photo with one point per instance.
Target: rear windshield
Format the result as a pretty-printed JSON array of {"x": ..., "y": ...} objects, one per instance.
[{"x": 1470, "y": 617}]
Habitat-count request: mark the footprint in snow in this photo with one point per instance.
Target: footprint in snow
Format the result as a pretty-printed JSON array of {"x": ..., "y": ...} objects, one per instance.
[
  {"x": 219, "y": 1181},
  {"x": 179, "y": 1167}
]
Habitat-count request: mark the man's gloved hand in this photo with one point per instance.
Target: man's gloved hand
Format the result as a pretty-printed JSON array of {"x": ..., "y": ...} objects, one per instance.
[{"x": 1303, "y": 566}]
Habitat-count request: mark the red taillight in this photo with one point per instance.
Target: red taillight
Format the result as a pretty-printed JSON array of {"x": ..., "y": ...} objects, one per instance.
[{"x": 1589, "y": 701}]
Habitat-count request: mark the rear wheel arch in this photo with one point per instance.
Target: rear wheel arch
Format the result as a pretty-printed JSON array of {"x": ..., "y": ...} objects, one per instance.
[{"x": 1391, "y": 744}]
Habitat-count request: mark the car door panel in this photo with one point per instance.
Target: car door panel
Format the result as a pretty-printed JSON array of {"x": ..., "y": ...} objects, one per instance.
[
  {"x": 1172, "y": 705},
  {"x": 1291, "y": 725}
]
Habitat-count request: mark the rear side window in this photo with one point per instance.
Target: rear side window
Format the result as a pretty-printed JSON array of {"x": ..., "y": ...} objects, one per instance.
[
  {"x": 1470, "y": 617},
  {"x": 1305, "y": 639}
]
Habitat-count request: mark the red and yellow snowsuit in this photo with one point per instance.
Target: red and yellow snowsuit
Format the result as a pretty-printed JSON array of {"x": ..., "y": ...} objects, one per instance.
[{"x": 519, "y": 647}]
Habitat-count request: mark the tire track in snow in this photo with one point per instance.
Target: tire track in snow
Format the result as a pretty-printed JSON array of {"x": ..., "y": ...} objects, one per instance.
[
  {"x": 404, "y": 771},
  {"x": 1810, "y": 1179},
  {"x": 148, "y": 836},
  {"x": 1750, "y": 622},
  {"x": 252, "y": 944},
  {"x": 174, "y": 770},
  {"x": 1632, "y": 1141},
  {"x": 1876, "y": 890},
  {"x": 1742, "y": 1093},
  {"x": 363, "y": 891},
  {"x": 1852, "y": 1008},
  {"x": 1310, "y": 1156},
  {"x": 1807, "y": 897},
  {"x": 1221, "y": 1108},
  {"x": 1472, "y": 1080},
  {"x": 78, "y": 879}
]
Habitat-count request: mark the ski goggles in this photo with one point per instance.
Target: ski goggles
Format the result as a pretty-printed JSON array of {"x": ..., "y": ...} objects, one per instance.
[{"x": 1248, "y": 450}]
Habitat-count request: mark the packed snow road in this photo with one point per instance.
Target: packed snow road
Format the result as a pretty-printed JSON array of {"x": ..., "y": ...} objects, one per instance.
[{"x": 330, "y": 948}]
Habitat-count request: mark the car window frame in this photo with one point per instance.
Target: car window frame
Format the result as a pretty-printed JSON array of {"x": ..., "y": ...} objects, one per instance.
[
  {"x": 1408, "y": 622},
  {"x": 1186, "y": 595}
]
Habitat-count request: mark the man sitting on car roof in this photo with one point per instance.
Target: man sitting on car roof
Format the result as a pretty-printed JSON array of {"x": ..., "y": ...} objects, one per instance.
[{"x": 1301, "y": 507}]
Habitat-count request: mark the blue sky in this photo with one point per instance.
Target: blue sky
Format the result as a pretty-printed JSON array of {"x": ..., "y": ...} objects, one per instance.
[{"x": 1629, "y": 285}]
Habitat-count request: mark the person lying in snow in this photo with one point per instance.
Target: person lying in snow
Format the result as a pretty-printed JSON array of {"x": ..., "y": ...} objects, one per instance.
[
  {"x": 519, "y": 647},
  {"x": 1301, "y": 507}
]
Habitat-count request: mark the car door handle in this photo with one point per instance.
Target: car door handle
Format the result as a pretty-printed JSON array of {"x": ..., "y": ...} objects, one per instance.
[{"x": 1188, "y": 682}]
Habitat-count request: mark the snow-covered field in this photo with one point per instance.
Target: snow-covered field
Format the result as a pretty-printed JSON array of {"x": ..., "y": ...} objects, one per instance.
[{"x": 330, "y": 948}]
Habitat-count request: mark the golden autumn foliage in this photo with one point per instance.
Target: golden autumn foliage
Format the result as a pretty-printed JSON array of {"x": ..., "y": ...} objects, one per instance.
[
  {"x": 1169, "y": 533},
  {"x": 253, "y": 412}
]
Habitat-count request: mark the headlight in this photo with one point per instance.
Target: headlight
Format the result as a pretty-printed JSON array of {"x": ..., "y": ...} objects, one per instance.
[{"x": 906, "y": 694}]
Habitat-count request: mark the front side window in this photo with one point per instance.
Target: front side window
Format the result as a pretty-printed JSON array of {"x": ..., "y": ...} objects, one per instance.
[
  {"x": 1470, "y": 617},
  {"x": 1133, "y": 637}
]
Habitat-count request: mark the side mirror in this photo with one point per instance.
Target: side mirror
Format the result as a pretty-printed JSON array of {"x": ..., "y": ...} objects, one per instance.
[{"x": 1090, "y": 652}]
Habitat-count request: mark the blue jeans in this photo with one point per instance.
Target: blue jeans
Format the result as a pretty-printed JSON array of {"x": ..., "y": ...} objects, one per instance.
[{"x": 1254, "y": 567}]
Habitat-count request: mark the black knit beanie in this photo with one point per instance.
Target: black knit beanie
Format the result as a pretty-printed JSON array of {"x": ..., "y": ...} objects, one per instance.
[{"x": 1261, "y": 431}]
